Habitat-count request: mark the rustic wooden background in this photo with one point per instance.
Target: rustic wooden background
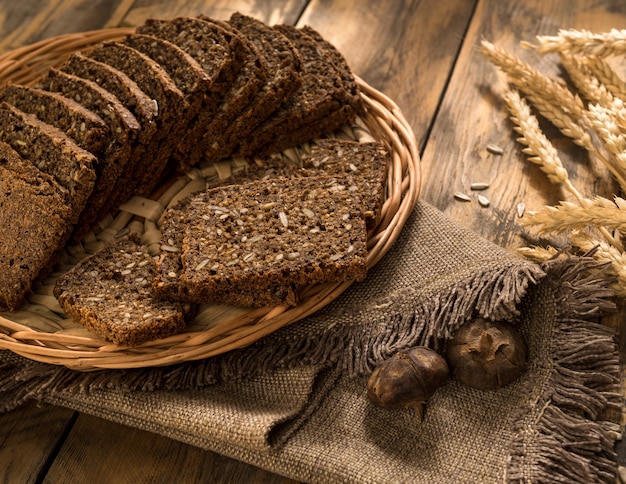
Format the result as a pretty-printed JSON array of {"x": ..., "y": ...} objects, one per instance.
[{"x": 424, "y": 55}]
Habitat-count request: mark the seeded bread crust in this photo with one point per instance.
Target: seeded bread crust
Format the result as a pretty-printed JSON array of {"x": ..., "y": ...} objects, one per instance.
[
  {"x": 85, "y": 127},
  {"x": 213, "y": 48},
  {"x": 261, "y": 243},
  {"x": 33, "y": 225},
  {"x": 123, "y": 129},
  {"x": 142, "y": 107},
  {"x": 110, "y": 293},
  {"x": 285, "y": 66},
  {"x": 51, "y": 151},
  {"x": 320, "y": 94},
  {"x": 157, "y": 84}
]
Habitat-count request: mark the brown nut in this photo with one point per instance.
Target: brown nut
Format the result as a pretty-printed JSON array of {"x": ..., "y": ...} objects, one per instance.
[
  {"x": 407, "y": 379},
  {"x": 486, "y": 354}
]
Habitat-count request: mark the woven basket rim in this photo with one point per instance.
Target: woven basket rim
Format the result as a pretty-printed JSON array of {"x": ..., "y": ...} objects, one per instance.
[{"x": 237, "y": 327}]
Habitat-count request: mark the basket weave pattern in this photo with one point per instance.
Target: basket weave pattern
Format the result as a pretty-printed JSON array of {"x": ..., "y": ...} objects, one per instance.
[{"x": 40, "y": 331}]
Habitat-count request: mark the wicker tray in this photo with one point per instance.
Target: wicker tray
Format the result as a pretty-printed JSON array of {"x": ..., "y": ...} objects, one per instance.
[{"x": 40, "y": 331}]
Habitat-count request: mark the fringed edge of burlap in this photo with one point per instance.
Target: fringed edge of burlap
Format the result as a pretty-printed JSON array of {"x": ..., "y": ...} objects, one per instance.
[{"x": 562, "y": 435}]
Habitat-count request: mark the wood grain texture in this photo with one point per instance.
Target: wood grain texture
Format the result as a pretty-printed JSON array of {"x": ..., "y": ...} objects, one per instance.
[
  {"x": 26, "y": 21},
  {"x": 119, "y": 454},
  {"x": 29, "y": 438},
  {"x": 268, "y": 11}
]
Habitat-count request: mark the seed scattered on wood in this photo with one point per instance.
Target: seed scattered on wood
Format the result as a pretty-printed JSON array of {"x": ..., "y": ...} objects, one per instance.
[
  {"x": 484, "y": 201},
  {"x": 496, "y": 150},
  {"x": 462, "y": 197},
  {"x": 202, "y": 264},
  {"x": 521, "y": 208},
  {"x": 283, "y": 219},
  {"x": 479, "y": 186}
]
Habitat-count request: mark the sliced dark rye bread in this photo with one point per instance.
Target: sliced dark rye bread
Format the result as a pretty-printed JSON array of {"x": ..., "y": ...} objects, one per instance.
[
  {"x": 321, "y": 93},
  {"x": 252, "y": 76},
  {"x": 142, "y": 107},
  {"x": 188, "y": 75},
  {"x": 157, "y": 84},
  {"x": 285, "y": 65},
  {"x": 214, "y": 49},
  {"x": 110, "y": 293},
  {"x": 261, "y": 243},
  {"x": 33, "y": 225},
  {"x": 123, "y": 129},
  {"x": 82, "y": 125},
  {"x": 53, "y": 152},
  {"x": 352, "y": 91},
  {"x": 364, "y": 165}
]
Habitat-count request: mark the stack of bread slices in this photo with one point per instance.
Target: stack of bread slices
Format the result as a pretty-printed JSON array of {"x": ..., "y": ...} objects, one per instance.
[{"x": 114, "y": 120}]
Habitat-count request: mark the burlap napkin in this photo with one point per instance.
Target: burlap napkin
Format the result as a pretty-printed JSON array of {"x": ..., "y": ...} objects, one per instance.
[{"x": 295, "y": 403}]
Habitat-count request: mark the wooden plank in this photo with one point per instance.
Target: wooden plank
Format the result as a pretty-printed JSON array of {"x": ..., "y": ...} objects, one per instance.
[
  {"x": 116, "y": 453},
  {"x": 403, "y": 49},
  {"x": 26, "y": 21},
  {"x": 29, "y": 437},
  {"x": 473, "y": 116},
  {"x": 271, "y": 11}
]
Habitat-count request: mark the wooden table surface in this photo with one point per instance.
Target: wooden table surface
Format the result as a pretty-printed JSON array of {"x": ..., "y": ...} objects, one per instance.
[{"x": 424, "y": 55}]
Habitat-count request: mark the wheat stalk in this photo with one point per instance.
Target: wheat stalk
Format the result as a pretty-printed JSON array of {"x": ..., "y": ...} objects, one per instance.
[
  {"x": 552, "y": 100},
  {"x": 582, "y": 42},
  {"x": 599, "y": 127},
  {"x": 537, "y": 146},
  {"x": 596, "y": 212}
]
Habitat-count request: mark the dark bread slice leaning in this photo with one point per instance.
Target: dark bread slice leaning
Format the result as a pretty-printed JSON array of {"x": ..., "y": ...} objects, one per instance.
[
  {"x": 52, "y": 152},
  {"x": 137, "y": 102},
  {"x": 123, "y": 129},
  {"x": 33, "y": 225},
  {"x": 214, "y": 49}
]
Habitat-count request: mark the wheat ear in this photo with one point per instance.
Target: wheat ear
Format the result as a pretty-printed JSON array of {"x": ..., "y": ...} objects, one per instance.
[
  {"x": 552, "y": 100},
  {"x": 541, "y": 151},
  {"x": 596, "y": 212},
  {"x": 582, "y": 42},
  {"x": 607, "y": 76}
]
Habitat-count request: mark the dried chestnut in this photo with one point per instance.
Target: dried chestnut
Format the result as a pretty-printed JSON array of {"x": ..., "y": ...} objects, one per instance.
[
  {"x": 407, "y": 379},
  {"x": 486, "y": 354}
]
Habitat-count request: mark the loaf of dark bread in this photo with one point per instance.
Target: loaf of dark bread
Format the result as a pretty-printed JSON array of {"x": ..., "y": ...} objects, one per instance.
[
  {"x": 110, "y": 293},
  {"x": 262, "y": 243},
  {"x": 33, "y": 217}
]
